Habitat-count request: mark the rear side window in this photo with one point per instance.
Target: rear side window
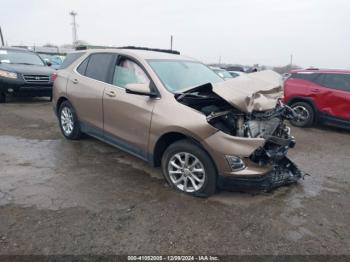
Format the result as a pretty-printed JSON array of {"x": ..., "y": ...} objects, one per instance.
[
  {"x": 99, "y": 66},
  {"x": 70, "y": 58},
  {"x": 336, "y": 81},
  {"x": 305, "y": 76},
  {"x": 82, "y": 67}
]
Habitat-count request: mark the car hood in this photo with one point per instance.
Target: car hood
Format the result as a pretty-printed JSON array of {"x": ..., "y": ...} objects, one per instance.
[
  {"x": 27, "y": 69},
  {"x": 258, "y": 91}
]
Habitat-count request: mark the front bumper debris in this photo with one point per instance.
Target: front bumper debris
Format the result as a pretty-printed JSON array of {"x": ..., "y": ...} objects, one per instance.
[{"x": 284, "y": 172}]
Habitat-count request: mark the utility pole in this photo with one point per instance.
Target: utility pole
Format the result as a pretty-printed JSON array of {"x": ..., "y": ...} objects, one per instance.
[
  {"x": 171, "y": 42},
  {"x": 1, "y": 37},
  {"x": 74, "y": 27},
  {"x": 291, "y": 61}
]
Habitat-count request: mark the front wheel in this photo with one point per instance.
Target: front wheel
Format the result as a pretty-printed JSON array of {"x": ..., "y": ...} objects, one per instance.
[
  {"x": 305, "y": 114},
  {"x": 68, "y": 121},
  {"x": 189, "y": 169}
]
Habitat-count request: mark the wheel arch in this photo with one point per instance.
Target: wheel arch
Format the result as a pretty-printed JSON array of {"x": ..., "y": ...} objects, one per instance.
[
  {"x": 307, "y": 100},
  {"x": 169, "y": 138},
  {"x": 59, "y": 102}
]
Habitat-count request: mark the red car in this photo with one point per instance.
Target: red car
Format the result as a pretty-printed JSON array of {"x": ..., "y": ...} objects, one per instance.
[{"x": 319, "y": 95}]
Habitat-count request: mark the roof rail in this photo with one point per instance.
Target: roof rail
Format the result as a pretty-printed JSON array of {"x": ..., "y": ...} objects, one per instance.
[
  {"x": 312, "y": 68},
  {"x": 151, "y": 49}
]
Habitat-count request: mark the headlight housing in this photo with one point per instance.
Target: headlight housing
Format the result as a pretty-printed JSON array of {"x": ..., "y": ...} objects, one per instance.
[{"x": 8, "y": 74}]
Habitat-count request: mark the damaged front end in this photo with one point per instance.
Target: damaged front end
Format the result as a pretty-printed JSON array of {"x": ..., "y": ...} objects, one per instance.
[{"x": 256, "y": 112}]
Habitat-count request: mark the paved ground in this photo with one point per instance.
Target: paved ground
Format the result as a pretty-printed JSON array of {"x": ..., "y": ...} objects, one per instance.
[{"x": 63, "y": 197}]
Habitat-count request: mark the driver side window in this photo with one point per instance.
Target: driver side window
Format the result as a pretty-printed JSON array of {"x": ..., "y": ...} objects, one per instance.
[{"x": 128, "y": 72}]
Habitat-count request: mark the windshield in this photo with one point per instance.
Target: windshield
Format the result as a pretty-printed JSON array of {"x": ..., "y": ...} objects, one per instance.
[
  {"x": 177, "y": 75},
  {"x": 19, "y": 57},
  {"x": 222, "y": 73}
]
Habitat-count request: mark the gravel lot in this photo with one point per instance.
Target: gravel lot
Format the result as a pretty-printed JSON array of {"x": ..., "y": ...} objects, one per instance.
[{"x": 64, "y": 197}]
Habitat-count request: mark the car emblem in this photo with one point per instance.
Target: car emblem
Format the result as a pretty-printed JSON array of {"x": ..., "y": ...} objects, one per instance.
[{"x": 37, "y": 78}]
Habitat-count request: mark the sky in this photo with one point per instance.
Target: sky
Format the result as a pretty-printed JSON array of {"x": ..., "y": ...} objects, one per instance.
[{"x": 315, "y": 32}]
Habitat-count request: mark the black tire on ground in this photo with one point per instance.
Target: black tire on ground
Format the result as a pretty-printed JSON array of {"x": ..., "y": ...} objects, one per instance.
[
  {"x": 2, "y": 97},
  {"x": 186, "y": 146},
  {"x": 75, "y": 133},
  {"x": 308, "y": 113}
]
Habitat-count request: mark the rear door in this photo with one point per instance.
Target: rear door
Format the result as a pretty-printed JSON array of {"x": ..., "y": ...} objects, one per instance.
[
  {"x": 85, "y": 90},
  {"x": 334, "y": 95},
  {"x": 127, "y": 117}
]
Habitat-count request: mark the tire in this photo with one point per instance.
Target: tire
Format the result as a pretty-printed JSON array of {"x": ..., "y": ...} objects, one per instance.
[
  {"x": 68, "y": 121},
  {"x": 2, "y": 98},
  {"x": 306, "y": 111},
  {"x": 205, "y": 182}
]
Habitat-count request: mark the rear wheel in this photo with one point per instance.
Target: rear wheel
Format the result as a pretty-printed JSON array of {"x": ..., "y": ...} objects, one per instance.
[
  {"x": 306, "y": 114},
  {"x": 189, "y": 169},
  {"x": 68, "y": 121},
  {"x": 2, "y": 97}
]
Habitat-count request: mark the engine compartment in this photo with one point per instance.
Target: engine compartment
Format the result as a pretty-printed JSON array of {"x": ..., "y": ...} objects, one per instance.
[{"x": 230, "y": 120}]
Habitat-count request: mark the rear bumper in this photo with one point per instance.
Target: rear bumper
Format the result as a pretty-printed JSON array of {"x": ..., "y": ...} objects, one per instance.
[{"x": 285, "y": 172}]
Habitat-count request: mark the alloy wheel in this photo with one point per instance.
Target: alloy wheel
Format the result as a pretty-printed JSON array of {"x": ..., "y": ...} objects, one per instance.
[
  {"x": 303, "y": 114},
  {"x": 67, "y": 120},
  {"x": 186, "y": 172}
]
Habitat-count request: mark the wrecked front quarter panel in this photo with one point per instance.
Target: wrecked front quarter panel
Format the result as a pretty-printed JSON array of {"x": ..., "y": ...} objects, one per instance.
[
  {"x": 221, "y": 144},
  {"x": 252, "y": 92}
]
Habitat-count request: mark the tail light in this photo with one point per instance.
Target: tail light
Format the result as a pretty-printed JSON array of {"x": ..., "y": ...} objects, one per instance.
[{"x": 53, "y": 76}]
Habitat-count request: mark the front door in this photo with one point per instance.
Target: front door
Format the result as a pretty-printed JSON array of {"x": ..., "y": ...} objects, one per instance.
[
  {"x": 127, "y": 117},
  {"x": 333, "y": 96}
]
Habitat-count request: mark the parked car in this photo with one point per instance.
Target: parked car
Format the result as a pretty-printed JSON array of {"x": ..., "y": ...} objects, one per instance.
[
  {"x": 319, "y": 95},
  {"x": 236, "y": 68},
  {"x": 221, "y": 72},
  {"x": 23, "y": 73},
  {"x": 236, "y": 73},
  {"x": 175, "y": 112}
]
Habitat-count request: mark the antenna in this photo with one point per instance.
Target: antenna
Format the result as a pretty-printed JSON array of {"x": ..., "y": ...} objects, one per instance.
[{"x": 74, "y": 27}]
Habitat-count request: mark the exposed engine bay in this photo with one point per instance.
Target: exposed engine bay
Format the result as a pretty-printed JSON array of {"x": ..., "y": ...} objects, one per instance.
[
  {"x": 232, "y": 121},
  {"x": 267, "y": 124}
]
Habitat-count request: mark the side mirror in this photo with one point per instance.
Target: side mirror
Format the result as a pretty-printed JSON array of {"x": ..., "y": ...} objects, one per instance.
[{"x": 139, "y": 89}]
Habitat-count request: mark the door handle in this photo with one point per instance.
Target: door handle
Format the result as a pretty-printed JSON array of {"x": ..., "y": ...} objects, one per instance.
[
  {"x": 315, "y": 90},
  {"x": 75, "y": 81},
  {"x": 111, "y": 93}
]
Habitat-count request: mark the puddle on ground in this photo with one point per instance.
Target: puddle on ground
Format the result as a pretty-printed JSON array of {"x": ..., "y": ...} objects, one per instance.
[
  {"x": 60, "y": 173},
  {"x": 56, "y": 174}
]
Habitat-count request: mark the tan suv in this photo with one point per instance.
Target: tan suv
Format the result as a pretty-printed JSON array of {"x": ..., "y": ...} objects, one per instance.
[{"x": 175, "y": 112}]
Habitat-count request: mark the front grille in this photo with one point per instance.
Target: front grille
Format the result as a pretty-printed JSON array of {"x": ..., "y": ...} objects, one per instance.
[{"x": 36, "y": 78}]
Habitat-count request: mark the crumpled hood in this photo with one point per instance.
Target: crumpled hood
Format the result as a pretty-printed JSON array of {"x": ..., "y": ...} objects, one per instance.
[{"x": 258, "y": 91}]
